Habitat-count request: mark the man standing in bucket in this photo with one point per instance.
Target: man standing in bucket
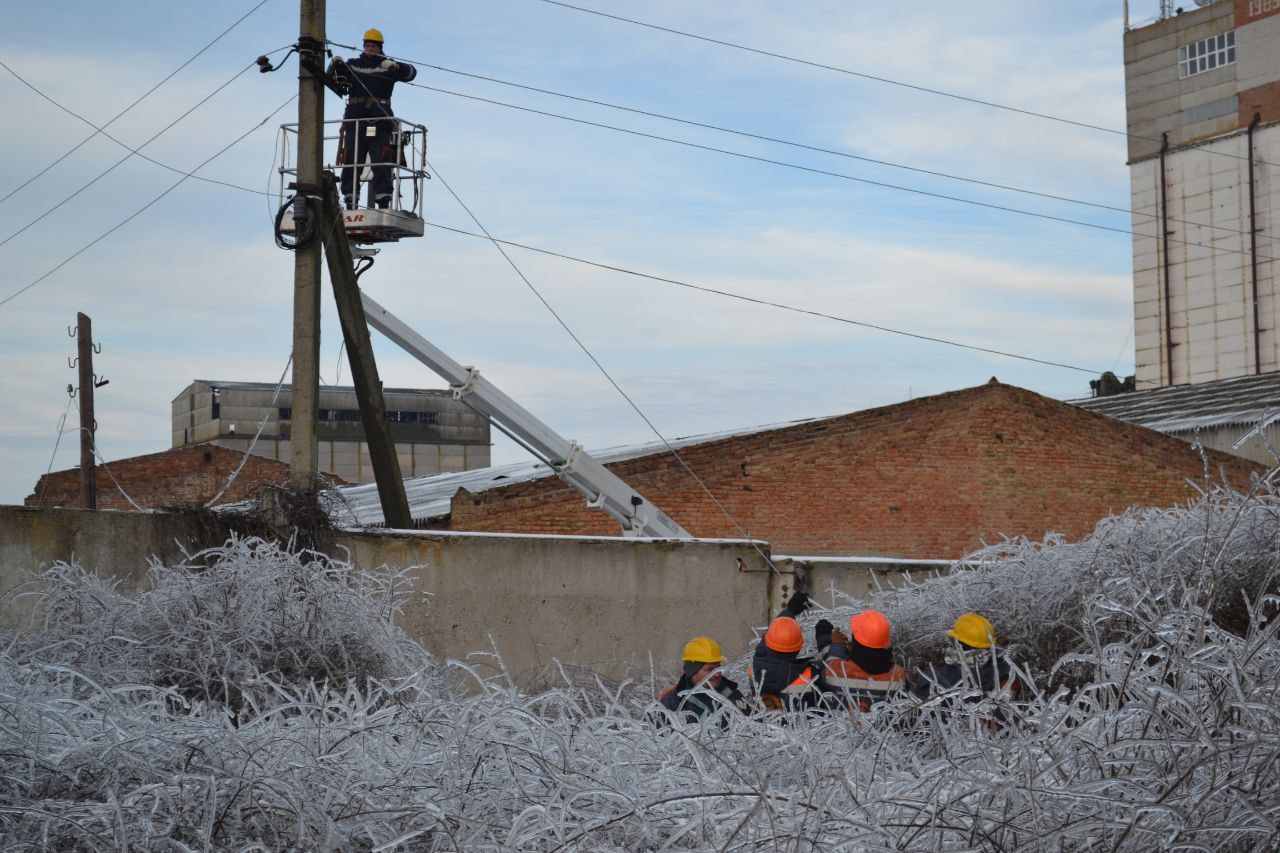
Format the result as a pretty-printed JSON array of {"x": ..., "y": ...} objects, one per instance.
[{"x": 367, "y": 132}]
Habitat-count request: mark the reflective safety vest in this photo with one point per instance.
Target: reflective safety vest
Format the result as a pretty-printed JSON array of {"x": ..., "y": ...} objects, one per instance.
[
  {"x": 805, "y": 682},
  {"x": 863, "y": 688}
]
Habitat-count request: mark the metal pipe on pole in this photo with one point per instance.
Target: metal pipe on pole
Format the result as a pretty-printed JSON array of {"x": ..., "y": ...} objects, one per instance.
[{"x": 304, "y": 455}]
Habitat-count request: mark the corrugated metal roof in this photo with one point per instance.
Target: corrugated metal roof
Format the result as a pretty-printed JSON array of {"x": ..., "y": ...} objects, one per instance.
[
  {"x": 1241, "y": 401},
  {"x": 430, "y": 496}
]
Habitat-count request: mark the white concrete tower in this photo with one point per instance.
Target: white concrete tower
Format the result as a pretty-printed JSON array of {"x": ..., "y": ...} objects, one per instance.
[{"x": 1203, "y": 95}]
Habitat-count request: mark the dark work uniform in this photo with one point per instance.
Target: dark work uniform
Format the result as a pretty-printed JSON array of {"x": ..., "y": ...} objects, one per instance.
[
  {"x": 787, "y": 681},
  {"x": 366, "y": 134},
  {"x": 693, "y": 702}
]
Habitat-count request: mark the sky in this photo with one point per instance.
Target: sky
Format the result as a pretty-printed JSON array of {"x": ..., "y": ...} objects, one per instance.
[{"x": 194, "y": 286}]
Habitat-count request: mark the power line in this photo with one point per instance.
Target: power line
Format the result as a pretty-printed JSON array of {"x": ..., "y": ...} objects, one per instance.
[
  {"x": 126, "y": 157},
  {"x": 875, "y": 78},
  {"x": 62, "y": 422},
  {"x": 137, "y": 151},
  {"x": 143, "y": 97},
  {"x": 829, "y": 173},
  {"x": 770, "y": 304},
  {"x": 816, "y": 148},
  {"x": 145, "y": 207},
  {"x": 590, "y": 355}
]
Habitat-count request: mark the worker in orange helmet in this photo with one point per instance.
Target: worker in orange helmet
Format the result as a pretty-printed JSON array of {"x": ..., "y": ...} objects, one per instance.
[
  {"x": 784, "y": 680},
  {"x": 703, "y": 690},
  {"x": 859, "y": 666}
]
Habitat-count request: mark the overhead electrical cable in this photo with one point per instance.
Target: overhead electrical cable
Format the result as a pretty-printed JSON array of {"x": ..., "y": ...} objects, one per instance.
[
  {"x": 126, "y": 146},
  {"x": 131, "y": 153},
  {"x": 603, "y": 370},
  {"x": 770, "y": 304},
  {"x": 78, "y": 252},
  {"x": 832, "y": 174},
  {"x": 872, "y": 77},
  {"x": 819, "y": 149},
  {"x": 139, "y": 100}
]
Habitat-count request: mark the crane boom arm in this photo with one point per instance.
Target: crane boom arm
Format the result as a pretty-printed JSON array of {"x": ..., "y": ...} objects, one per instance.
[{"x": 601, "y": 487}]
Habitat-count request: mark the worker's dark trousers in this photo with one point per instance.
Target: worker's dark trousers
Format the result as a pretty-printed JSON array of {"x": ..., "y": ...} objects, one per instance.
[{"x": 357, "y": 146}]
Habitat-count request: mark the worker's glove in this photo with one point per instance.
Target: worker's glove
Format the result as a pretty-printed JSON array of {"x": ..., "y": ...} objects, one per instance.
[
  {"x": 390, "y": 64},
  {"x": 823, "y": 627},
  {"x": 798, "y": 603}
]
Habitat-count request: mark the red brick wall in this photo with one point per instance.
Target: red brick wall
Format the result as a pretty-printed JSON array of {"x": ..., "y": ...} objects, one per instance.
[
  {"x": 183, "y": 477},
  {"x": 1263, "y": 100},
  {"x": 933, "y": 477},
  {"x": 1248, "y": 11}
]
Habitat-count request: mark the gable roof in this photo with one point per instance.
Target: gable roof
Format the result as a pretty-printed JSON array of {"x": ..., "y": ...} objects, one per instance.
[{"x": 431, "y": 495}]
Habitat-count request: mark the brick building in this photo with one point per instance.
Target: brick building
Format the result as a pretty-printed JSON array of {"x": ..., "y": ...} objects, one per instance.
[
  {"x": 934, "y": 477},
  {"x": 182, "y": 477}
]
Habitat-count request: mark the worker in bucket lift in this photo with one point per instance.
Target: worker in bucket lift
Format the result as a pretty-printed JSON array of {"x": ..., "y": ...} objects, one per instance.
[
  {"x": 784, "y": 680},
  {"x": 972, "y": 661},
  {"x": 367, "y": 80},
  {"x": 703, "y": 690},
  {"x": 859, "y": 667}
]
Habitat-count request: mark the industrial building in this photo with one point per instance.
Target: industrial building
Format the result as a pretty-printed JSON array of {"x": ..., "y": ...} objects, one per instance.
[
  {"x": 433, "y": 433},
  {"x": 1202, "y": 88}
]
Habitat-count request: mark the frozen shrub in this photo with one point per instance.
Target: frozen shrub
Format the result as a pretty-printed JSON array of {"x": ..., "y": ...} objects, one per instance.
[
  {"x": 229, "y": 625},
  {"x": 348, "y": 738}
]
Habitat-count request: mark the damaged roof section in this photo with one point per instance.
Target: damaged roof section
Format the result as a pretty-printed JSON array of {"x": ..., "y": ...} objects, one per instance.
[{"x": 1242, "y": 402}]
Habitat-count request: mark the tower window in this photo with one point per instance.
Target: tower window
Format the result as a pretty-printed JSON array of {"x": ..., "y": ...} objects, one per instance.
[{"x": 1207, "y": 54}]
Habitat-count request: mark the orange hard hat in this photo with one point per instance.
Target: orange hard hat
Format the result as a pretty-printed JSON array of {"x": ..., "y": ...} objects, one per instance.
[
  {"x": 870, "y": 628},
  {"x": 784, "y": 635}
]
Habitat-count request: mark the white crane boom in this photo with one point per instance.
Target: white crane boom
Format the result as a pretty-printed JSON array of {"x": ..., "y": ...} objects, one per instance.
[{"x": 602, "y": 488}]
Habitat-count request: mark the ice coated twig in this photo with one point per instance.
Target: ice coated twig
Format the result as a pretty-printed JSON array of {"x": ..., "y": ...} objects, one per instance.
[{"x": 258, "y": 698}]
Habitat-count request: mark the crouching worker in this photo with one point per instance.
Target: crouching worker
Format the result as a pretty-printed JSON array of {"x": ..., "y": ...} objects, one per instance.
[
  {"x": 702, "y": 689},
  {"x": 859, "y": 668},
  {"x": 783, "y": 679},
  {"x": 972, "y": 662}
]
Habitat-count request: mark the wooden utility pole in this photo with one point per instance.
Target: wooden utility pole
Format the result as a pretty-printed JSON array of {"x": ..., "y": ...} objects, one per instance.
[
  {"x": 84, "y": 352},
  {"x": 364, "y": 369},
  {"x": 304, "y": 458}
]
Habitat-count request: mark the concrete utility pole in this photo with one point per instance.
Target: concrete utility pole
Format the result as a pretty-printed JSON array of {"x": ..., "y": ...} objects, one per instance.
[
  {"x": 364, "y": 369},
  {"x": 84, "y": 351},
  {"x": 304, "y": 458}
]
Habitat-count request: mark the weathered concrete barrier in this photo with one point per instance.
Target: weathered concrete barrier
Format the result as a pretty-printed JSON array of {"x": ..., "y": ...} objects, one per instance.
[
  {"x": 121, "y": 543},
  {"x": 603, "y": 603}
]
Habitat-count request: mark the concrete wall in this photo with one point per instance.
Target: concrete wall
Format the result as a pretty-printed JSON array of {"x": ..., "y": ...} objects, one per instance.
[
  {"x": 608, "y": 604},
  {"x": 34, "y": 539}
]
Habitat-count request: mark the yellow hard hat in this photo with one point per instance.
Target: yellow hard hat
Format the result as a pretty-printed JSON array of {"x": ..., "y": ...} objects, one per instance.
[
  {"x": 702, "y": 650},
  {"x": 974, "y": 631},
  {"x": 374, "y": 34}
]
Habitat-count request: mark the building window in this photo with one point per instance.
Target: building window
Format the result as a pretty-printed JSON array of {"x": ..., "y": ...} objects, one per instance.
[{"x": 1206, "y": 54}]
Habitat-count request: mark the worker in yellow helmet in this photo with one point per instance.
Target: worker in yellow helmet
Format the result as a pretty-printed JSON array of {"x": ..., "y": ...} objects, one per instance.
[
  {"x": 971, "y": 662},
  {"x": 368, "y": 80},
  {"x": 703, "y": 689}
]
